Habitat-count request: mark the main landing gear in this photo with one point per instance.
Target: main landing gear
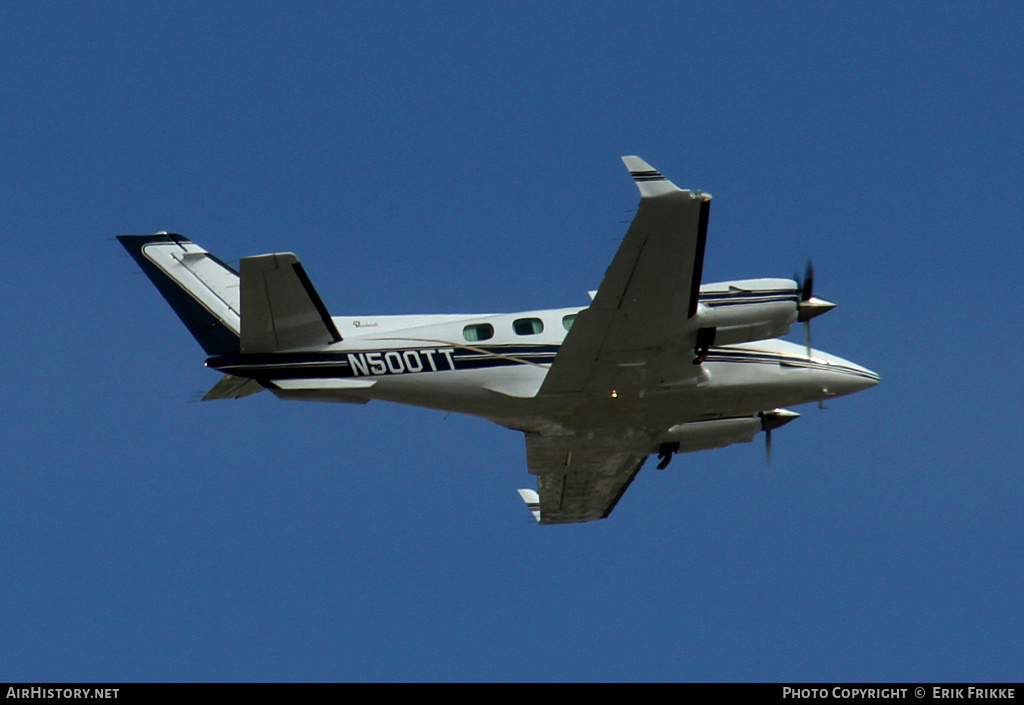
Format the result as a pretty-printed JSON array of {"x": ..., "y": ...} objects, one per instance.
[
  {"x": 665, "y": 453},
  {"x": 705, "y": 339}
]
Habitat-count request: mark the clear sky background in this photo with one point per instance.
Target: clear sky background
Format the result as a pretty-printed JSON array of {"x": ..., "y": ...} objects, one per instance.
[{"x": 464, "y": 157}]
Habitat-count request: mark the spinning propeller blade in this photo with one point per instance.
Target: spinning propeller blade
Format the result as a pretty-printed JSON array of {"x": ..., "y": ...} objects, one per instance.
[{"x": 809, "y": 306}]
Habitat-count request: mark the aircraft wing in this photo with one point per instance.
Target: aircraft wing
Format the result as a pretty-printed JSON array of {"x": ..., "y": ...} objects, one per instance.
[
  {"x": 633, "y": 336},
  {"x": 579, "y": 479}
]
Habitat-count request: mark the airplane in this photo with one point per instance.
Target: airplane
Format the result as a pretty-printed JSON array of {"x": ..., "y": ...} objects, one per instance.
[{"x": 658, "y": 363}]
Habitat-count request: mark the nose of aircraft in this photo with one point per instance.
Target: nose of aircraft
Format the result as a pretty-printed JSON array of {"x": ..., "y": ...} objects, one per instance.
[{"x": 847, "y": 377}]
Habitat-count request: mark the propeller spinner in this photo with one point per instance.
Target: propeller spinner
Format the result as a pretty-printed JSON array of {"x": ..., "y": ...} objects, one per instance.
[
  {"x": 809, "y": 305},
  {"x": 771, "y": 420}
]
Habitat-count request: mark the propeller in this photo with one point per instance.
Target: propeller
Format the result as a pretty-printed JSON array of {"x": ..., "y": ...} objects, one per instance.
[
  {"x": 807, "y": 286},
  {"x": 771, "y": 420},
  {"x": 809, "y": 306}
]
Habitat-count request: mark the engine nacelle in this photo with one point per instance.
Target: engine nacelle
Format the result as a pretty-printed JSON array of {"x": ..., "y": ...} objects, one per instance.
[
  {"x": 748, "y": 310},
  {"x": 718, "y": 433},
  {"x": 713, "y": 433}
]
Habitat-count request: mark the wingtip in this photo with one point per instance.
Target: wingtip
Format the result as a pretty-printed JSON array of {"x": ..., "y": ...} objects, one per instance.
[
  {"x": 635, "y": 163},
  {"x": 532, "y": 500},
  {"x": 649, "y": 180}
]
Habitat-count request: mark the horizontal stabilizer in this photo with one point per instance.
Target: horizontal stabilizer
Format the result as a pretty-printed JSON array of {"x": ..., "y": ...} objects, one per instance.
[
  {"x": 232, "y": 387},
  {"x": 280, "y": 308},
  {"x": 342, "y": 383},
  {"x": 324, "y": 395}
]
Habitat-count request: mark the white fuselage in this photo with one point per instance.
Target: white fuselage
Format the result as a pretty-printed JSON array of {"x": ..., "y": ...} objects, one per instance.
[{"x": 429, "y": 361}]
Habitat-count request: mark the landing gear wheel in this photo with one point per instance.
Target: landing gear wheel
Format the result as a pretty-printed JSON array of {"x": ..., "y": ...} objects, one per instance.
[{"x": 665, "y": 453}]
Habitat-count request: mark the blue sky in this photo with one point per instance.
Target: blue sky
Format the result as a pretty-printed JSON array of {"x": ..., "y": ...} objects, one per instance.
[{"x": 443, "y": 157}]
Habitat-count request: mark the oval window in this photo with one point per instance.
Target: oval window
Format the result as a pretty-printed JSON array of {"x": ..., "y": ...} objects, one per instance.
[
  {"x": 478, "y": 331},
  {"x": 528, "y": 326},
  {"x": 567, "y": 321}
]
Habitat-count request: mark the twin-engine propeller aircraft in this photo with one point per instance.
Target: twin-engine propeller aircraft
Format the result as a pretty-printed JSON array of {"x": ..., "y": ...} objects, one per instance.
[{"x": 656, "y": 364}]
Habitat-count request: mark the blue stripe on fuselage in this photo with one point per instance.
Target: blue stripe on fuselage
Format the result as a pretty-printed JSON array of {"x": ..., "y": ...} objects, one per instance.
[{"x": 398, "y": 361}]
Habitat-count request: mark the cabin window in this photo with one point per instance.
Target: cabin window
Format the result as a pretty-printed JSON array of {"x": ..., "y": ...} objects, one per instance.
[
  {"x": 567, "y": 321},
  {"x": 528, "y": 326},
  {"x": 478, "y": 332}
]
